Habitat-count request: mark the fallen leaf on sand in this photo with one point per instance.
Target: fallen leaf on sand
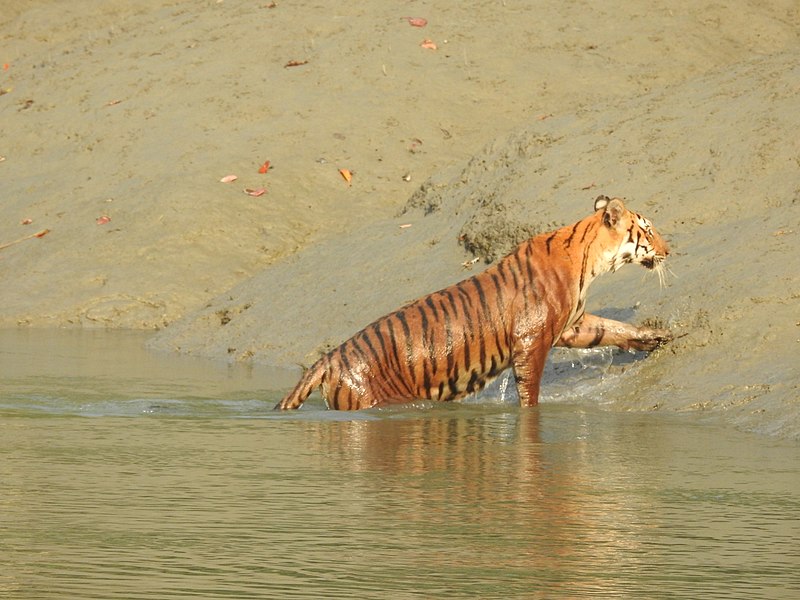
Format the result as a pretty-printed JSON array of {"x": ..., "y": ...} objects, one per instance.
[
  {"x": 416, "y": 21},
  {"x": 256, "y": 192},
  {"x": 264, "y": 168},
  {"x": 414, "y": 145},
  {"x": 429, "y": 44},
  {"x": 295, "y": 63},
  {"x": 26, "y": 221},
  {"x": 468, "y": 263},
  {"x": 38, "y": 234},
  {"x": 347, "y": 175},
  {"x": 103, "y": 220},
  {"x": 228, "y": 178}
]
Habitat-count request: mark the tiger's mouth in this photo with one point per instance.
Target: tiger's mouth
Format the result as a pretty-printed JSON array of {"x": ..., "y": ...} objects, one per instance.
[
  {"x": 648, "y": 262},
  {"x": 651, "y": 262}
]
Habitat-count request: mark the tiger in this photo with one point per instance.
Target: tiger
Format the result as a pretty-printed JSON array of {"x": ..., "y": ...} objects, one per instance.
[{"x": 451, "y": 343}]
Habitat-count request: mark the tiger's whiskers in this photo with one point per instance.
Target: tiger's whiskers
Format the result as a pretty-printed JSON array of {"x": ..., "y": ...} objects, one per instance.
[{"x": 662, "y": 270}]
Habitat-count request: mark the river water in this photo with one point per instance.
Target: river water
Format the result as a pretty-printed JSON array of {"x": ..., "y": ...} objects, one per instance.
[{"x": 128, "y": 475}]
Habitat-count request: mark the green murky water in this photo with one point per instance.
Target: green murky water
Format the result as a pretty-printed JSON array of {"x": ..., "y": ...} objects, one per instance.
[{"x": 124, "y": 475}]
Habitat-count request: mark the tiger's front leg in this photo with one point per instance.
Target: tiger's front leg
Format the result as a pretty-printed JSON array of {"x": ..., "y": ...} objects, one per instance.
[
  {"x": 593, "y": 331},
  {"x": 528, "y": 361}
]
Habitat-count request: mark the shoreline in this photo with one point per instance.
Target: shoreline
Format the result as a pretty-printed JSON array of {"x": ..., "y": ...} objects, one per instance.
[{"x": 118, "y": 125}]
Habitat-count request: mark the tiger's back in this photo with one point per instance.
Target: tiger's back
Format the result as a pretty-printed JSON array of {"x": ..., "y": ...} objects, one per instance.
[{"x": 450, "y": 343}]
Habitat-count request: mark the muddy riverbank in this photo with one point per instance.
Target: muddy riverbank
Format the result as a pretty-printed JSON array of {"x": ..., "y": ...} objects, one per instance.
[{"x": 118, "y": 124}]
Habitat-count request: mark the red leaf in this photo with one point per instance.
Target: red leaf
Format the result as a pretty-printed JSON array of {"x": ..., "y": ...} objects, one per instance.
[{"x": 416, "y": 21}]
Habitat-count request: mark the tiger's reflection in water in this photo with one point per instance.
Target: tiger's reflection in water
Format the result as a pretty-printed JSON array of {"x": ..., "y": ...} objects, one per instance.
[{"x": 482, "y": 481}]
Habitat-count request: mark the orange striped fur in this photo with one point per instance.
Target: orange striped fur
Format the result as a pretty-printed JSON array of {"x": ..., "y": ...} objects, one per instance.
[{"x": 450, "y": 343}]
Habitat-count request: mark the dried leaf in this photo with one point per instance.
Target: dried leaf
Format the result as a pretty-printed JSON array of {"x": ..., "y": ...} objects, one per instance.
[
  {"x": 416, "y": 21},
  {"x": 295, "y": 63},
  {"x": 229, "y": 178},
  {"x": 468, "y": 263},
  {"x": 255, "y": 192},
  {"x": 39, "y": 234}
]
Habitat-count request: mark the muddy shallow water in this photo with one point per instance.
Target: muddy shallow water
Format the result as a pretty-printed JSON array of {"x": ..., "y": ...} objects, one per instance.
[{"x": 131, "y": 475}]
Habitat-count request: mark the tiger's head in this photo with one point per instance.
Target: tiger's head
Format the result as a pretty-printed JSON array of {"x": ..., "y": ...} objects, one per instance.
[{"x": 631, "y": 238}]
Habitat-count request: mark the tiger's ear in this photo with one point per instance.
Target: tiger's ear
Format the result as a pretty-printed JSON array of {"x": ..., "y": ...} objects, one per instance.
[
  {"x": 614, "y": 211},
  {"x": 600, "y": 202}
]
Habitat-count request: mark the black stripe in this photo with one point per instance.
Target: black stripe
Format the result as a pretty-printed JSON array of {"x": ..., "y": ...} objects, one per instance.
[
  {"x": 448, "y": 323},
  {"x": 500, "y": 289},
  {"x": 335, "y": 399},
  {"x": 488, "y": 318},
  {"x": 396, "y": 355},
  {"x": 598, "y": 337},
  {"x": 529, "y": 266},
  {"x": 583, "y": 270},
  {"x": 451, "y": 299},
  {"x": 474, "y": 378},
  {"x": 519, "y": 270},
  {"x": 550, "y": 240},
  {"x": 343, "y": 355},
  {"x": 401, "y": 316},
  {"x": 444, "y": 313},
  {"x": 466, "y": 328},
  {"x": 434, "y": 312},
  {"x": 479, "y": 331},
  {"x": 568, "y": 241},
  {"x": 376, "y": 329},
  {"x": 494, "y": 370},
  {"x": 452, "y": 383},
  {"x": 428, "y": 350},
  {"x": 378, "y": 362},
  {"x": 481, "y": 296},
  {"x": 589, "y": 227}
]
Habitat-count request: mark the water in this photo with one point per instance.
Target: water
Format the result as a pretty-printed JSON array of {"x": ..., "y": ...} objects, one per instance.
[{"x": 124, "y": 475}]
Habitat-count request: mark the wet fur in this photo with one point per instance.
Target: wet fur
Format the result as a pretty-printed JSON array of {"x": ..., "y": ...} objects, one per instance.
[{"x": 450, "y": 343}]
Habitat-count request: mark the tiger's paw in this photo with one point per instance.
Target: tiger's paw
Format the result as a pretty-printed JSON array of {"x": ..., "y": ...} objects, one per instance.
[{"x": 649, "y": 338}]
